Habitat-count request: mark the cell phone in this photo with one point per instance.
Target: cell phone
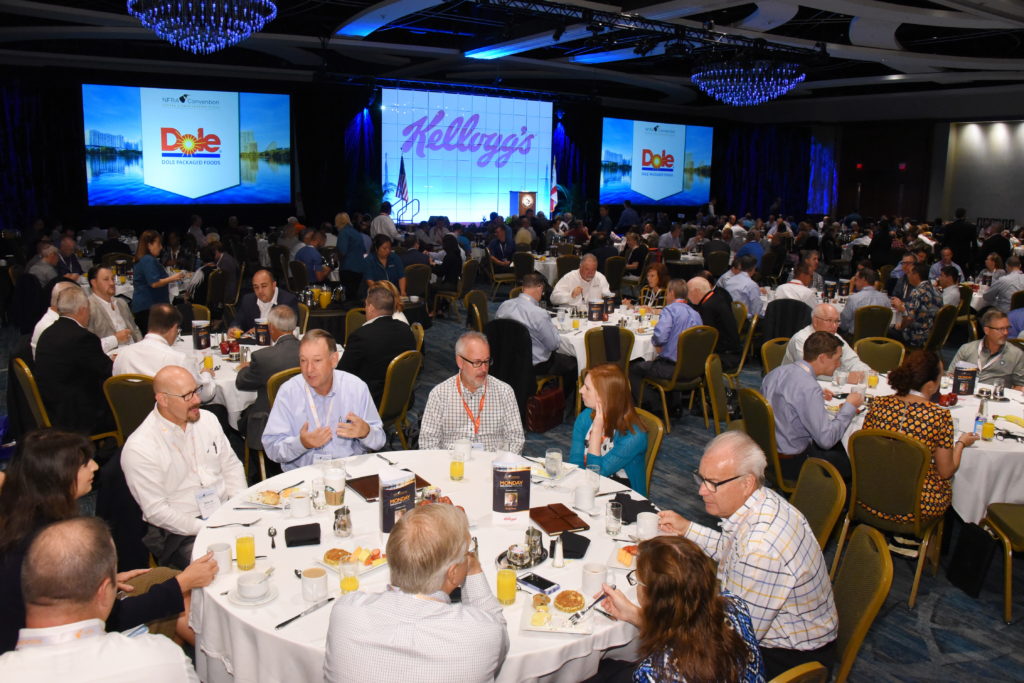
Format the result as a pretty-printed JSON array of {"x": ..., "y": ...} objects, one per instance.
[{"x": 537, "y": 584}]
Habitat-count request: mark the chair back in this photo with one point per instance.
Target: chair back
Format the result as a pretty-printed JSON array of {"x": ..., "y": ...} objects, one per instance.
[
  {"x": 468, "y": 279},
  {"x": 565, "y": 263},
  {"x": 237, "y": 294},
  {"x": 508, "y": 338},
  {"x": 614, "y": 269},
  {"x": 354, "y": 319},
  {"x": 399, "y": 382},
  {"x": 716, "y": 382},
  {"x": 759, "y": 423},
  {"x": 739, "y": 311},
  {"x": 417, "y": 277},
  {"x": 717, "y": 262},
  {"x": 785, "y": 317},
  {"x": 1019, "y": 343},
  {"x": 945, "y": 319},
  {"x": 215, "y": 290},
  {"x": 30, "y": 390},
  {"x": 670, "y": 254},
  {"x": 418, "y": 332},
  {"x": 303, "y": 318},
  {"x": 880, "y": 353},
  {"x": 693, "y": 347},
  {"x": 883, "y": 276},
  {"x": 888, "y": 476},
  {"x": 476, "y": 309},
  {"x": 769, "y": 269},
  {"x": 276, "y": 380},
  {"x": 514, "y": 292},
  {"x": 131, "y": 400},
  {"x": 966, "y": 295},
  {"x": 810, "y": 672},
  {"x": 278, "y": 256},
  {"x": 860, "y": 590},
  {"x": 523, "y": 263},
  {"x": 819, "y": 495},
  {"x": 772, "y": 353},
  {"x": 748, "y": 339},
  {"x": 655, "y": 435},
  {"x": 871, "y": 321},
  {"x": 566, "y": 249},
  {"x": 594, "y": 343},
  {"x": 298, "y": 276},
  {"x": 1016, "y": 301},
  {"x": 200, "y": 312}
]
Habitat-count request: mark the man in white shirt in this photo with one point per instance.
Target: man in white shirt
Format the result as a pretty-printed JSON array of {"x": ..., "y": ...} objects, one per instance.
[
  {"x": 949, "y": 283},
  {"x": 179, "y": 467},
  {"x": 799, "y": 287},
  {"x": 413, "y": 631},
  {"x": 51, "y": 315},
  {"x": 383, "y": 224},
  {"x": 69, "y": 584},
  {"x": 110, "y": 318},
  {"x": 581, "y": 286},
  {"x": 825, "y": 318}
]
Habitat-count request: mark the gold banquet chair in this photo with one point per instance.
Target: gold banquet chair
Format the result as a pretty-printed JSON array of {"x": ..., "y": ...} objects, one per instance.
[
  {"x": 759, "y": 423},
  {"x": 34, "y": 400},
  {"x": 811, "y": 672},
  {"x": 466, "y": 283},
  {"x": 354, "y": 319},
  {"x": 303, "y": 318},
  {"x": 593, "y": 344},
  {"x": 772, "y": 353},
  {"x": 398, "y": 385},
  {"x": 1006, "y": 521},
  {"x": 819, "y": 495},
  {"x": 881, "y": 354},
  {"x": 655, "y": 435},
  {"x": 694, "y": 345},
  {"x": 717, "y": 382},
  {"x": 418, "y": 333},
  {"x": 871, "y": 321},
  {"x": 273, "y": 385},
  {"x": 475, "y": 302},
  {"x": 131, "y": 400}
]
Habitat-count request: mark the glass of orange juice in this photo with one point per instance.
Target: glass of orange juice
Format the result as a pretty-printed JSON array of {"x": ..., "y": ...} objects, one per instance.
[
  {"x": 457, "y": 466},
  {"x": 245, "y": 551},
  {"x": 872, "y": 379},
  {"x": 506, "y": 586},
  {"x": 208, "y": 362},
  {"x": 349, "y": 574}
]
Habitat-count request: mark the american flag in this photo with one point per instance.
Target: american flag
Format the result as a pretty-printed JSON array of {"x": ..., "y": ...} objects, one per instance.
[
  {"x": 554, "y": 185},
  {"x": 402, "y": 192}
]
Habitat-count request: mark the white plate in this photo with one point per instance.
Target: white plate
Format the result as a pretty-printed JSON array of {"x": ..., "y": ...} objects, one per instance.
[
  {"x": 363, "y": 569},
  {"x": 559, "y": 622},
  {"x": 613, "y": 559},
  {"x": 237, "y": 599},
  {"x": 537, "y": 470}
]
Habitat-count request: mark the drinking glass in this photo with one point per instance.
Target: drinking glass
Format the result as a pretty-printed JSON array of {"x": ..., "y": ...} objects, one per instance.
[
  {"x": 245, "y": 551},
  {"x": 873, "y": 379},
  {"x": 613, "y": 519},
  {"x": 594, "y": 477},
  {"x": 349, "y": 574},
  {"x": 457, "y": 466},
  {"x": 318, "y": 494},
  {"x": 506, "y": 587},
  {"x": 553, "y": 462},
  {"x": 997, "y": 388},
  {"x": 946, "y": 383}
]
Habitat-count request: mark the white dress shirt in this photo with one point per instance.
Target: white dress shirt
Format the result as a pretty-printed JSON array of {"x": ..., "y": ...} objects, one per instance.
[
  {"x": 166, "y": 467},
  {"x": 116, "y": 319},
  {"x": 794, "y": 289},
  {"x": 83, "y": 652},
  {"x": 594, "y": 290},
  {"x": 49, "y": 318},
  {"x": 265, "y": 307},
  {"x": 153, "y": 354},
  {"x": 850, "y": 362},
  {"x": 383, "y": 224}
]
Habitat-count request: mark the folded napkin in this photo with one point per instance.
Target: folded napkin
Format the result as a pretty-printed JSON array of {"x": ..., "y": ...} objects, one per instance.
[
  {"x": 631, "y": 508},
  {"x": 574, "y": 546},
  {"x": 302, "y": 534}
]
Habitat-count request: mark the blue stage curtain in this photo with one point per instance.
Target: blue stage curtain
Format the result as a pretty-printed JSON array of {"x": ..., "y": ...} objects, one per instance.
[
  {"x": 577, "y": 164},
  {"x": 754, "y": 165},
  {"x": 823, "y": 180},
  {"x": 24, "y": 195}
]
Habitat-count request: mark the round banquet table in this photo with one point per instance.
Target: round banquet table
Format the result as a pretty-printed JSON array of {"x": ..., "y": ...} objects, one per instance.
[
  {"x": 570, "y": 341},
  {"x": 686, "y": 267},
  {"x": 232, "y": 398},
  {"x": 990, "y": 471},
  {"x": 546, "y": 266},
  {"x": 236, "y": 643}
]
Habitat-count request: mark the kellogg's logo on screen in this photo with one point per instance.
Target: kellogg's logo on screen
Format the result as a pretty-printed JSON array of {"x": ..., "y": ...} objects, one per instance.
[
  {"x": 176, "y": 144},
  {"x": 654, "y": 161},
  {"x": 461, "y": 135}
]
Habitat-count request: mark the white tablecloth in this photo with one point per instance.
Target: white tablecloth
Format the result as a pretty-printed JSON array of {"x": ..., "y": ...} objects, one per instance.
[
  {"x": 546, "y": 267},
  {"x": 240, "y": 643},
  {"x": 227, "y": 394},
  {"x": 571, "y": 341}
]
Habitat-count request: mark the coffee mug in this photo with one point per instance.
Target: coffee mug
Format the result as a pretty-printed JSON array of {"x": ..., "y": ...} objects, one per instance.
[
  {"x": 300, "y": 505},
  {"x": 583, "y": 497},
  {"x": 593, "y": 576},
  {"x": 314, "y": 584},
  {"x": 646, "y": 525},
  {"x": 221, "y": 555},
  {"x": 334, "y": 486}
]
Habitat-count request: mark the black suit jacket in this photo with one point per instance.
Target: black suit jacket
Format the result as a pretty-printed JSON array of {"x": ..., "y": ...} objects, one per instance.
[
  {"x": 264, "y": 363},
  {"x": 248, "y": 311},
  {"x": 70, "y": 370},
  {"x": 372, "y": 347}
]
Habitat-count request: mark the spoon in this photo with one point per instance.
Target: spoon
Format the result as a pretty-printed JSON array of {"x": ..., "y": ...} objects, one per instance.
[
  {"x": 266, "y": 574},
  {"x": 272, "y": 532}
]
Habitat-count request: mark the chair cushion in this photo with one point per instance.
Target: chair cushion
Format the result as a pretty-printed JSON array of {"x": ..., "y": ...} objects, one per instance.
[{"x": 1010, "y": 518}]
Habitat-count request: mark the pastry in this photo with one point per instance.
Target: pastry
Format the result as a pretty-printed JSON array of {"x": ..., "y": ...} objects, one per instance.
[
  {"x": 334, "y": 556},
  {"x": 269, "y": 497},
  {"x": 569, "y": 601},
  {"x": 541, "y": 600}
]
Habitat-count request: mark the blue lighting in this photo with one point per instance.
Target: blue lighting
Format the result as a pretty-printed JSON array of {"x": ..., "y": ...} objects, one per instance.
[
  {"x": 494, "y": 52},
  {"x": 745, "y": 84},
  {"x": 203, "y": 26},
  {"x": 359, "y": 29}
]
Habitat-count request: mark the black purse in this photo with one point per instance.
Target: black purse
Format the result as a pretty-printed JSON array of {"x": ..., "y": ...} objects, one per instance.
[{"x": 971, "y": 559}]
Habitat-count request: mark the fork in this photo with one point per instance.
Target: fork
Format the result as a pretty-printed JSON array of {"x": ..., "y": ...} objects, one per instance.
[
  {"x": 221, "y": 526},
  {"x": 575, "y": 619}
]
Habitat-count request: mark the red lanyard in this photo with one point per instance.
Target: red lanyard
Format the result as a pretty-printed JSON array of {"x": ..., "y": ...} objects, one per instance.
[{"x": 475, "y": 419}]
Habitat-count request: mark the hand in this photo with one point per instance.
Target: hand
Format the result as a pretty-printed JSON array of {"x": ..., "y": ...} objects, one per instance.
[
  {"x": 123, "y": 335},
  {"x": 899, "y": 305},
  {"x": 314, "y": 439},
  {"x": 209, "y": 371},
  {"x": 180, "y": 275},
  {"x": 355, "y": 427},
  {"x": 619, "y": 606},
  {"x": 242, "y": 366},
  {"x": 856, "y": 400},
  {"x": 968, "y": 439},
  {"x": 856, "y": 377},
  {"x": 827, "y": 395},
  {"x": 199, "y": 574},
  {"x": 124, "y": 577},
  {"x": 234, "y": 332},
  {"x": 473, "y": 564},
  {"x": 672, "y": 522},
  {"x": 576, "y": 292}
]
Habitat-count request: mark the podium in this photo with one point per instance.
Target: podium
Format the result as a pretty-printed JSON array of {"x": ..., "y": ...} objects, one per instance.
[{"x": 519, "y": 202}]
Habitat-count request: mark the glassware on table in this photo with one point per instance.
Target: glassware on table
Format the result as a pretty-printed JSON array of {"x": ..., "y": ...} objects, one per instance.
[
  {"x": 988, "y": 430},
  {"x": 318, "y": 493},
  {"x": 575, "y": 323},
  {"x": 457, "y": 466},
  {"x": 349, "y": 574},
  {"x": 553, "y": 462},
  {"x": 208, "y": 361},
  {"x": 840, "y": 377},
  {"x": 334, "y": 486},
  {"x": 506, "y": 588},
  {"x": 594, "y": 477},
  {"x": 613, "y": 518},
  {"x": 245, "y": 551},
  {"x": 946, "y": 382},
  {"x": 872, "y": 379},
  {"x": 997, "y": 388},
  {"x": 859, "y": 389},
  {"x": 342, "y": 522}
]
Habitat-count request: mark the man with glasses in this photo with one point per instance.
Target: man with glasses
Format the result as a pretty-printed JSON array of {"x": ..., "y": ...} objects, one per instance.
[
  {"x": 899, "y": 287},
  {"x": 766, "y": 554},
  {"x": 179, "y": 467},
  {"x": 472, "y": 405},
  {"x": 995, "y": 359},
  {"x": 825, "y": 318}
]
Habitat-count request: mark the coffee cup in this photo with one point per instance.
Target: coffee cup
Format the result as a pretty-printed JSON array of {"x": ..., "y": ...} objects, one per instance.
[
  {"x": 314, "y": 584},
  {"x": 221, "y": 555},
  {"x": 583, "y": 497},
  {"x": 593, "y": 576},
  {"x": 253, "y": 585},
  {"x": 646, "y": 525},
  {"x": 300, "y": 505},
  {"x": 334, "y": 486}
]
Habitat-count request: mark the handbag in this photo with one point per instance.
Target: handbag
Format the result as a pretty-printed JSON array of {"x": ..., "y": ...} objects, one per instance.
[{"x": 971, "y": 559}]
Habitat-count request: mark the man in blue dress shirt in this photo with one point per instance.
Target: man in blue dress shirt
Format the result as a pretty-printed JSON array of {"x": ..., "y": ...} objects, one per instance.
[
  {"x": 677, "y": 317},
  {"x": 322, "y": 413},
  {"x": 310, "y": 257},
  {"x": 741, "y": 286},
  {"x": 864, "y": 294}
]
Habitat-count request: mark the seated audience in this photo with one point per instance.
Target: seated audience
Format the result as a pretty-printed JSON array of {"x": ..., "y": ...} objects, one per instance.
[
  {"x": 449, "y": 271},
  {"x": 766, "y": 554},
  {"x": 898, "y": 286},
  {"x": 264, "y": 363},
  {"x": 670, "y": 240},
  {"x": 500, "y": 251},
  {"x": 1000, "y": 294},
  {"x": 45, "y": 269},
  {"x": 67, "y": 263},
  {"x": 581, "y": 286},
  {"x": 812, "y": 259},
  {"x": 949, "y": 284},
  {"x": 919, "y": 309},
  {"x": 1016, "y": 317},
  {"x": 609, "y": 433},
  {"x": 601, "y": 248},
  {"x": 179, "y": 467},
  {"x": 945, "y": 261},
  {"x": 716, "y": 243},
  {"x": 110, "y": 317},
  {"x": 995, "y": 359},
  {"x": 865, "y": 293},
  {"x": 264, "y": 296},
  {"x": 399, "y": 312},
  {"x": 825, "y": 318},
  {"x": 799, "y": 287},
  {"x": 112, "y": 245},
  {"x": 472, "y": 405},
  {"x": 382, "y": 264},
  {"x": 635, "y": 253},
  {"x": 229, "y": 267},
  {"x": 50, "y": 316},
  {"x": 412, "y": 252},
  {"x": 654, "y": 292},
  {"x": 993, "y": 269},
  {"x": 741, "y": 285},
  {"x": 677, "y": 317},
  {"x": 714, "y": 305},
  {"x": 379, "y": 341},
  {"x": 323, "y": 413}
]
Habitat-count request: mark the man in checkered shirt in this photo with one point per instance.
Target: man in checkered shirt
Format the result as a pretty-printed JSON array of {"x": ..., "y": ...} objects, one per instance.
[{"x": 766, "y": 553}]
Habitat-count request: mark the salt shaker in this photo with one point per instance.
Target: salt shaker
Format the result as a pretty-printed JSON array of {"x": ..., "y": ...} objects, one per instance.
[
  {"x": 342, "y": 522},
  {"x": 559, "y": 559}
]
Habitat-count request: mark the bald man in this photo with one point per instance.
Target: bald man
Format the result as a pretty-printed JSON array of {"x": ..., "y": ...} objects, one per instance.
[
  {"x": 179, "y": 466},
  {"x": 825, "y": 318},
  {"x": 715, "y": 309},
  {"x": 51, "y": 314}
]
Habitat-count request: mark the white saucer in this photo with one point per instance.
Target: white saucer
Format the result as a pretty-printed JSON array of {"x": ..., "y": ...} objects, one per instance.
[{"x": 237, "y": 599}]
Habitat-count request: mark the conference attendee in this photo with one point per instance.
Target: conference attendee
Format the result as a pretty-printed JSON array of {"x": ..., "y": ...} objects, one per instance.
[
  {"x": 229, "y": 267},
  {"x": 752, "y": 247},
  {"x": 322, "y": 413},
  {"x": 67, "y": 263},
  {"x": 962, "y": 237},
  {"x": 380, "y": 340},
  {"x": 919, "y": 309},
  {"x": 604, "y": 221},
  {"x": 151, "y": 283},
  {"x": 174, "y": 255},
  {"x": 714, "y": 306},
  {"x": 472, "y": 405},
  {"x": 803, "y": 428},
  {"x": 579, "y": 287},
  {"x": 195, "y": 231},
  {"x": 741, "y": 286},
  {"x": 265, "y": 295},
  {"x": 687, "y": 625},
  {"x": 110, "y": 317},
  {"x": 948, "y": 282},
  {"x": 812, "y": 259},
  {"x": 383, "y": 264},
  {"x": 1000, "y": 294},
  {"x": 655, "y": 290},
  {"x": 179, "y": 466},
  {"x": 45, "y": 269},
  {"x": 352, "y": 251},
  {"x": 412, "y": 252},
  {"x": 766, "y": 554},
  {"x": 945, "y": 261},
  {"x": 71, "y": 367},
  {"x": 414, "y": 631},
  {"x": 996, "y": 241},
  {"x": 696, "y": 243},
  {"x": 825, "y": 318},
  {"x": 995, "y": 359},
  {"x": 716, "y": 243},
  {"x": 670, "y": 240},
  {"x": 629, "y": 218},
  {"x": 264, "y": 363},
  {"x": 609, "y": 433},
  {"x": 635, "y": 253},
  {"x": 500, "y": 251},
  {"x": 311, "y": 258},
  {"x": 70, "y": 586},
  {"x": 50, "y": 316},
  {"x": 993, "y": 269},
  {"x": 864, "y": 293},
  {"x": 112, "y": 245},
  {"x": 1016, "y": 317},
  {"x": 799, "y": 288},
  {"x": 899, "y": 286},
  {"x": 383, "y": 225},
  {"x": 449, "y": 271},
  {"x": 677, "y": 317}
]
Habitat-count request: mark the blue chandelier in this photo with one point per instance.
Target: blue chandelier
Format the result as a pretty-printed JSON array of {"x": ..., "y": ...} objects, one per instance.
[
  {"x": 746, "y": 83},
  {"x": 203, "y": 26}
]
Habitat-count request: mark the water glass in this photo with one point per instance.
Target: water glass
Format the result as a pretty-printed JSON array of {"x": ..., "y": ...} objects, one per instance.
[
  {"x": 594, "y": 477},
  {"x": 613, "y": 519},
  {"x": 553, "y": 462},
  {"x": 946, "y": 383},
  {"x": 840, "y": 377},
  {"x": 317, "y": 494}
]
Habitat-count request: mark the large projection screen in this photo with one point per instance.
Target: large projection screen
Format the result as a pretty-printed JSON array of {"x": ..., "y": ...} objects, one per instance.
[
  {"x": 650, "y": 163},
  {"x": 462, "y": 154}
]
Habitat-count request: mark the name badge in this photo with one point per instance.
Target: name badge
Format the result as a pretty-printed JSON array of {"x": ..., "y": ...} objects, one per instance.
[
  {"x": 478, "y": 446},
  {"x": 207, "y": 500}
]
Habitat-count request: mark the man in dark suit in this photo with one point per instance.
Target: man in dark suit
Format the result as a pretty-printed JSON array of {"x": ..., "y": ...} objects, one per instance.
[
  {"x": 962, "y": 238},
  {"x": 71, "y": 368},
  {"x": 258, "y": 303},
  {"x": 282, "y": 354},
  {"x": 229, "y": 266},
  {"x": 374, "y": 345}
]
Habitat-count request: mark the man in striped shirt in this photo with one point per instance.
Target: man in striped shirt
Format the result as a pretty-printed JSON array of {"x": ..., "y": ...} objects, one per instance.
[{"x": 766, "y": 554}]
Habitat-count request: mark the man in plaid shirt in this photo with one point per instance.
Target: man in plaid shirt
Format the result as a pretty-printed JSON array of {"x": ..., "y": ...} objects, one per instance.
[{"x": 766, "y": 554}]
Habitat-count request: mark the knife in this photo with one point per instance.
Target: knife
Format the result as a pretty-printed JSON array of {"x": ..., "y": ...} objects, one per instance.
[{"x": 308, "y": 610}]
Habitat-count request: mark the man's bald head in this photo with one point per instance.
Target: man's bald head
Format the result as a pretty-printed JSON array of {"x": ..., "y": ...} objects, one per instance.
[
  {"x": 697, "y": 288},
  {"x": 67, "y": 564},
  {"x": 825, "y": 318},
  {"x": 172, "y": 378}
]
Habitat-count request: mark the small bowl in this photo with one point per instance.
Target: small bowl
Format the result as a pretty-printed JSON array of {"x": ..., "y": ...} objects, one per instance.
[
  {"x": 253, "y": 585},
  {"x": 414, "y": 299}
]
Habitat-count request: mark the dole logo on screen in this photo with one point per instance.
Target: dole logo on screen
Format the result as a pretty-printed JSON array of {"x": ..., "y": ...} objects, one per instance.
[
  {"x": 174, "y": 143},
  {"x": 651, "y": 161}
]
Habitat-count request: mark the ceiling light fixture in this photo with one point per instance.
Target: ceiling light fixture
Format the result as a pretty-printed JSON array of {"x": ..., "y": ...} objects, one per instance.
[
  {"x": 203, "y": 26},
  {"x": 746, "y": 83}
]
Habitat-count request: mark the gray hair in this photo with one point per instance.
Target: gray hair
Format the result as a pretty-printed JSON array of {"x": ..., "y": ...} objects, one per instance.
[
  {"x": 699, "y": 285},
  {"x": 71, "y": 301},
  {"x": 282, "y": 318},
  {"x": 381, "y": 299},
  {"x": 312, "y": 336},
  {"x": 678, "y": 288},
  {"x": 425, "y": 542},
  {"x": 48, "y": 250},
  {"x": 67, "y": 562},
  {"x": 58, "y": 288},
  {"x": 467, "y": 337},
  {"x": 588, "y": 257},
  {"x": 749, "y": 457}
]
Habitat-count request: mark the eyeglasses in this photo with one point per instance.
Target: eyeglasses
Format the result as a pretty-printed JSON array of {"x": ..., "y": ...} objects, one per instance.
[
  {"x": 187, "y": 396},
  {"x": 710, "y": 483},
  {"x": 632, "y": 580},
  {"x": 999, "y": 329},
  {"x": 830, "y": 321},
  {"x": 477, "y": 363}
]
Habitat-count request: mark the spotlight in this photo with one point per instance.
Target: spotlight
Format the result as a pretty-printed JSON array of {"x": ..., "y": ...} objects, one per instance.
[
  {"x": 822, "y": 49},
  {"x": 643, "y": 47}
]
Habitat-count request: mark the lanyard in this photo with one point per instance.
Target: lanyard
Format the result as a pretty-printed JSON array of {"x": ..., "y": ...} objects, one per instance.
[
  {"x": 88, "y": 629},
  {"x": 475, "y": 419},
  {"x": 992, "y": 359},
  {"x": 312, "y": 407}
]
